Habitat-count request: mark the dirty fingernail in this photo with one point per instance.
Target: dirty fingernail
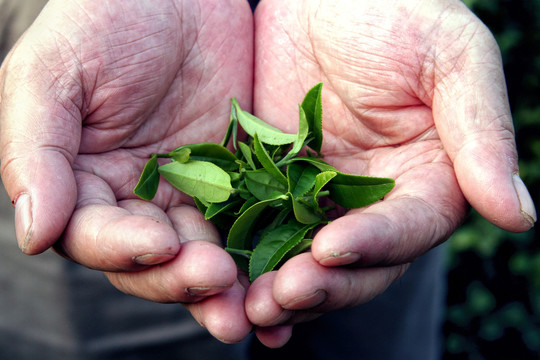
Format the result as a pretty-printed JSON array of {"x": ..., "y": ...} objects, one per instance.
[
  {"x": 206, "y": 290},
  {"x": 152, "y": 259},
  {"x": 526, "y": 203},
  {"x": 308, "y": 301},
  {"x": 23, "y": 221},
  {"x": 338, "y": 259}
]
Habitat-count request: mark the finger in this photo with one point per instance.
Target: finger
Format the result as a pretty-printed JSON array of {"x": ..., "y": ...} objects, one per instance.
[
  {"x": 473, "y": 118},
  {"x": 274, "y": 336},
  {"x": 423, "y": 210},
  {"x": 223, "y": 314},
  {"x": 104, "y": 236},
  {"x": 190, "y": 225},
  {"x": 39, "y": 138},
  {"x": 303, "y": 284},
  {"x": 201, "y": 269},
  {"x": 261, "y": 307},
  {"x": 304, "y": 289}
]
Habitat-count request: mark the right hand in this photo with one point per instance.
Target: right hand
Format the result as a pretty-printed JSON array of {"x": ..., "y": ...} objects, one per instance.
[{"x": 88, "y": 92}]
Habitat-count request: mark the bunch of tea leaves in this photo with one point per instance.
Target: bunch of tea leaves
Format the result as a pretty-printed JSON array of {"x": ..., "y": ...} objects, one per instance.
[{"x": 264, "y": 196}]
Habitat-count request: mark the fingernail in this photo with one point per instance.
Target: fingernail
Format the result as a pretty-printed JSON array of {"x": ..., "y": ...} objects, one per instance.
[
  {"x": 206, "y": 290},
  {"x": 23, "y": 221},
  {"x": 308, "y": 301},
  {"x": 526, "y": 203},
  {"x": 337, "y": 259},
  {"x": 152, "y": 259}
]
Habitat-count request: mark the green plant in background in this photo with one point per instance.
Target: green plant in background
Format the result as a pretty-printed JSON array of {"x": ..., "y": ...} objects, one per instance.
[{"x": 494, "y": 276}]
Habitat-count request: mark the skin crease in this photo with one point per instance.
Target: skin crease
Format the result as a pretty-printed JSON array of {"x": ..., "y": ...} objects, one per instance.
[{"x": 413, "y": 90}]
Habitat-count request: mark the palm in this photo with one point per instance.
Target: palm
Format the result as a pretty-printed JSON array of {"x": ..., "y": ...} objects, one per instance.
[
  {"x": 160, "y": 78},
  {"x": 380, "y": 95}
]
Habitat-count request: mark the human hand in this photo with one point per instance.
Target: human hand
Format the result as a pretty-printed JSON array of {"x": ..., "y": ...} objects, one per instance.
[
  {"x": 87, "y": 94},
  {"x": 412, "y": 90}
]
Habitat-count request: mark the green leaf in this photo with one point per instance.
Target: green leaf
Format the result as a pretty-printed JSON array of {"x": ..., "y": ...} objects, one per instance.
[
  {"x": 149, "y": 181},
  {"x": 240, "y": 235},
  {"x": 301, "y": 178},
  {"x": 266, "y": 161},
  {"x": 247, "y": 204},
  {"x": 320, "y": 181},
  {"x": 263, "y": 185},
  {"x": 274, "y": 246},
  {"x": 181, "y": 155},
  {"x": 218, "y": 208},
  {"x": 299, "y": 142},
  {"x": 246, "y": 152},
  {"x": 318, "y": 163},
  {"x": 267, "y": 133},
  {"x": 232, "y": 129},
  {"x": 211, "y": 152},
  {"x": 303, "y": 213},
  {"x": 351, "y": 191},
  {"x": 355, "y": 191},
  {"x": 278, "y": 220},
  {"x": 312, "y": 106},
  {"x": 200, "y": 179},
  {"x": 303, "y": 246},
  {"x": 200, "y": 205},
  {"x": 221, "y": 221}
]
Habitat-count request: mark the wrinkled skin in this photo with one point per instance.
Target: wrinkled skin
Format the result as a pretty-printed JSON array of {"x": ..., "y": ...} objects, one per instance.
[
  {"x": 87, "y": 94},
  {"x": 412, "y": 90}
]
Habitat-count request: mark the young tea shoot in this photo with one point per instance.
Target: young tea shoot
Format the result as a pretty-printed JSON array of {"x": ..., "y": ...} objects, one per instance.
[{"x": 265, "y": 197}]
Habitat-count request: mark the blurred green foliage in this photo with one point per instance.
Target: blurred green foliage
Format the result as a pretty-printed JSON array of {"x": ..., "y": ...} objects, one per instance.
[{"x": 494, "y": 276}]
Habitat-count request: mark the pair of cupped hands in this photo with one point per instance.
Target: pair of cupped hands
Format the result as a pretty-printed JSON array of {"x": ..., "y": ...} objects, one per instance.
[{"x": 413, "y": 90}]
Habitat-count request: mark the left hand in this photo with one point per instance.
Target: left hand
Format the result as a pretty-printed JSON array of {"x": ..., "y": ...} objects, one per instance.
[{"x": 412, "y": 90}]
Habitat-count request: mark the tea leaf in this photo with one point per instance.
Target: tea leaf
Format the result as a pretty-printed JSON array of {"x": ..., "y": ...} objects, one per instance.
[
  {"x": 181, "y": 155},
  {"x": 148, "y": 182},
  {"x": 202, "y": 207},
  {"x": 318, "y": 163},
  {"x": 312, "y": 106},
  {"x": 303, "y": 213},
  {"x": 320, "y": 181},
  {"x": 301, "y": 178},
  {"x": 267, "y": 133},
  {"x": 274, "y": 246},
  {"x": 247, "y": 204},
  {"x": 246, "y": 152},
  {"x": 355, "y": 191},
  {"x": 263, "y": 185},
  {"x": 200, "y": 179},
  {"x": 300, "y": 141},
  {"x": 278, "y": 220},
  {"x": 266, "y": 161},
  {"x": 218, "y": 208},
  {"x": 303, "y": 246},
  {"x": 240, "y": 235},
  {"x": 211, "y": 152},
  {"x": 232, "y": 129}
]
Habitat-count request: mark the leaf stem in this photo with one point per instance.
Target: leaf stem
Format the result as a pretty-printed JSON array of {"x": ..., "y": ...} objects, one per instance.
[
  {"x": 323, "y": 193},
  {"x": 245, "y": 253}
]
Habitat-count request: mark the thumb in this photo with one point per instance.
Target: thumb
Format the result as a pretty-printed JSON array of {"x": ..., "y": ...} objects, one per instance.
[
  {"x": 473, "y": 119},
  {"x": 39, "y": 138}
]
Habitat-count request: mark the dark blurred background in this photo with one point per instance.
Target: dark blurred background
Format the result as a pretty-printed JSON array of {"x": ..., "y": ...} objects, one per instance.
[{"x": 493, "y": 275}]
